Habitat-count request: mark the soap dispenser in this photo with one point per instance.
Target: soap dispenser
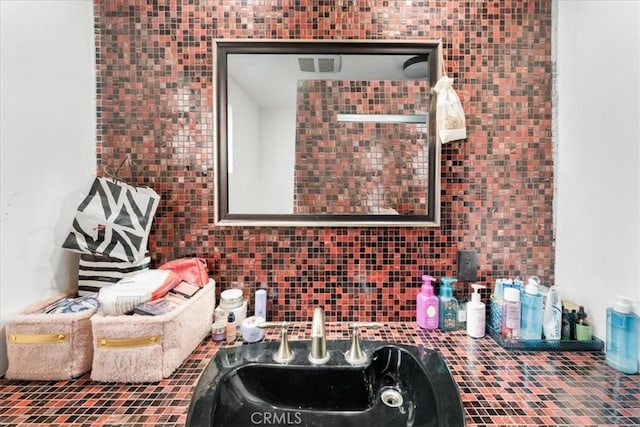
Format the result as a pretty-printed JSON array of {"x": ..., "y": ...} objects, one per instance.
[
  {"x": 427, "y": 305},
  {"x": 448, "y": 305},
  {"x": 622, "y": 336},
  {"x": 476, "y": 314}
]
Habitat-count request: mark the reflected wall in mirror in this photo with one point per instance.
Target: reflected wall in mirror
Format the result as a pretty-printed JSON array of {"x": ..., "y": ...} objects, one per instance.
[{"x": 322, "y": 133}]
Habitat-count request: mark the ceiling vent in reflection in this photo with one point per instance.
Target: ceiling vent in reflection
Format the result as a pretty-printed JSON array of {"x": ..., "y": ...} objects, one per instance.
[{"x": 320, "y": 64}]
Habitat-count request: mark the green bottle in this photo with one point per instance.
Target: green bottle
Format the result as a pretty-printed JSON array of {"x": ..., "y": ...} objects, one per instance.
[{"x": 448, "y": 305}]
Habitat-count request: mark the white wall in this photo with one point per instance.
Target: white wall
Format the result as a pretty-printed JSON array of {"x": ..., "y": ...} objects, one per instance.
[
  {"x": 244, "y": 195},
  {"x": 47, "y": 145},
  {"x": 597, "y": 165},
  {"x": 278, "y": 158},
  {"x": 264, "y": 140}
]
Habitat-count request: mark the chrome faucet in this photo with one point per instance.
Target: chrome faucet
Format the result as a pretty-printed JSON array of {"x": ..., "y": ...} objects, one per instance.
[
  {"x": 355, "y": 355},
  {"x": 318, "y": 353},
  {"x": 284, "y": 353}
]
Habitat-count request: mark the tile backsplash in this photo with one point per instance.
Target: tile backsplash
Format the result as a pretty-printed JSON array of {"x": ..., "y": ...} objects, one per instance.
[
  {"x": 351, "y": 168},
  {"x": 154, "y": 62}
]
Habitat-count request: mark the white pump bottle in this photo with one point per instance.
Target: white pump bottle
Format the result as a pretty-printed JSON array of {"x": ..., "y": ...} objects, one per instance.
[{"x": 476, "y": 314}]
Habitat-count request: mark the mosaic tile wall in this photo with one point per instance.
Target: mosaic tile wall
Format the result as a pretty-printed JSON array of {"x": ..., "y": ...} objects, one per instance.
[
  {"x": 354, "y": 167},
  {"x": 155, "y": 101}
]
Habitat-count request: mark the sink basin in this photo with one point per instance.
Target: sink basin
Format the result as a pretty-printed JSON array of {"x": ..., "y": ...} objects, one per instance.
[{"x": 398, "y": 386}]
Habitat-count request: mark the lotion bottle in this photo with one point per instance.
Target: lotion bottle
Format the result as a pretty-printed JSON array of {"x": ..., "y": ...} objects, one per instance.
[
  {"x": 427, "y": 305},
  {"x": 448, "y": 305},
  {"x": 476, "y": 314}
]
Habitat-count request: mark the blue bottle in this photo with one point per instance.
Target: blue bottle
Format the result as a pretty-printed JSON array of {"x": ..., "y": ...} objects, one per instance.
[
  {"x": 448, "y": 305},
  {"x": 518, "y": 284},
  {"x": 531, "y": 312},
  {"x": 622, "y": 337}
]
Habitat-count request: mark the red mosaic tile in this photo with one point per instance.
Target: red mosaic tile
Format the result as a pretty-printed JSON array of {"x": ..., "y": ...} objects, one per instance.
[
  {"x": 361, "y": 173},
  {"x": 154, "y": 63},
  {"x": 497, "y": 387}
]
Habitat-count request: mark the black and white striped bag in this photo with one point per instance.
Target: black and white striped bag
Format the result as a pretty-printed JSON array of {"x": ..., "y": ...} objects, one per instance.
[
  {"x": 113, "y": 220},
  {"x": 97, "y": 271}
]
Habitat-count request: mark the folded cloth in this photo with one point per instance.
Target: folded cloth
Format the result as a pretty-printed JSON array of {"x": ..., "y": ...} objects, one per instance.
[
  {"x": 72, "y": 305},
  {"x": 135, "y": 289},
  {"x": 193, "y": 270}
]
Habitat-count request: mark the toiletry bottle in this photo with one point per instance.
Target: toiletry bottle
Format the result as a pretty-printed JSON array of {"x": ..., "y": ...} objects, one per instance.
[
  {"x": 497, "y": 291},
  {"x": 462, "y": 313},
  {"x": 517, "y": 283},
  {"x": 261, "y": 304},
  {"x": 231, "y": 329},
  {"x": 622, "y": 336},
  {"x": 511, "y": 314},
  {"x": 427, "y": 305},
  {"x": 448, "y": 305},
  {"x": 564, "y": 331},
  {"x": 476, "y": 314},
  {"x": 552, "y": 319},
  {"x": 531, "y": 312},
  {"x": 495, "y": 308},
  {"x": 582, "y": 315},
  {"x": 573, "y": 319},
  {"x": 583, "y": 328}
]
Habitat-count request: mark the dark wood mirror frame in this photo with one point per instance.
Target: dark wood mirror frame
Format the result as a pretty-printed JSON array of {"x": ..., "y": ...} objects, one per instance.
[{"x": 223, "y": 48}]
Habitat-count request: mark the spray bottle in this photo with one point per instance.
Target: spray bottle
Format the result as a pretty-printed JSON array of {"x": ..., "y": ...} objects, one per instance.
[
  {"x": 448, "y": 305},
  {"x": 476, "y": 314}
]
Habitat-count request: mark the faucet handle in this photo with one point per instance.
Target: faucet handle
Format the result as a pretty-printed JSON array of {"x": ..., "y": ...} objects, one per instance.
[
  {"x": 284, "y": 354},
  {"x": 355, "y": 355},
  {"x": 265, "y": 325},
  {"x": 370, "y": 325}
]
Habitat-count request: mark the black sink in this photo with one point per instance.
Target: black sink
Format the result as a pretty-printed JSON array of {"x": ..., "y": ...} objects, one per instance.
[{"x": 398, "y": 386}]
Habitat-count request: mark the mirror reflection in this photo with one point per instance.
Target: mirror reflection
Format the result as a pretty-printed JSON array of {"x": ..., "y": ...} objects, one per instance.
[{"x": 321, "y": 132}]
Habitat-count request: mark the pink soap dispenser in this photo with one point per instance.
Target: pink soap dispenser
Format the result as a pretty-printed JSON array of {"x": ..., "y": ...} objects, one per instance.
[{"x": 427, "y": 305}]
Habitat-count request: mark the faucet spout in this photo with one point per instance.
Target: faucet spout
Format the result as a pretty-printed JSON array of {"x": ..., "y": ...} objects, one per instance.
[{"x": 318, "y": 353}]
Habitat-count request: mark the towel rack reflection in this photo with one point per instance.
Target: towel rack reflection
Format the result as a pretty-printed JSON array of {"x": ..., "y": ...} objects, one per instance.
[{"x": 383, "y": 118}]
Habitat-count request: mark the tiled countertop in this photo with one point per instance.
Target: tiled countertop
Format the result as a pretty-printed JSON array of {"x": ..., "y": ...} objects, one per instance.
[{"x": 497, "y": 387}]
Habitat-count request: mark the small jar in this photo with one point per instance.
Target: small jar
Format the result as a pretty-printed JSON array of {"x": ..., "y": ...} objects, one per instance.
[
  {"x": 218, "y": 330},
  {"x": 232, "y": 301}
]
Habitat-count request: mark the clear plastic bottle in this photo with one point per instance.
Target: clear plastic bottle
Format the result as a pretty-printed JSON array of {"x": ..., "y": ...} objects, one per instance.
[
  {"x": 511, "y": 314},
  {"x": 622, "y": 337},
  {"x": 463, "y": 307},
  {"x": 552, "y": 318},
  {"x": 531, "y": 321}
]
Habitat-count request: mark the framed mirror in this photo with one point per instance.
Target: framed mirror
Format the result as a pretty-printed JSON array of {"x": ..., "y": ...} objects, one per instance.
[{"x": 326, "y": 133}]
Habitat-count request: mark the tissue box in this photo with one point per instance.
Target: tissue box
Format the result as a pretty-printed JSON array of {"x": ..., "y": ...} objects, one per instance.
[
  {"x": 139, "y": 348},
  {"x": 43, "y": 346}
]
